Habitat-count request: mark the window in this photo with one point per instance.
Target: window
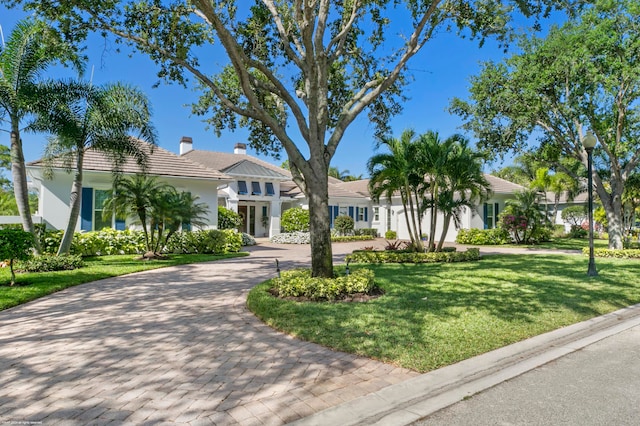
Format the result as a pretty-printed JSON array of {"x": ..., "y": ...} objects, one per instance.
[
  {"x": 360, "y": 214},
  {"x": 489, "y": 216},
  {"x": 343, "y": 211},
  {"x": 100, "y": 198},
  {"x": 255, "y": 188},
  {"x": 376, "y": 214},
  {"x": 242, "y": 187},
  {"x": 269, "y": 188}
]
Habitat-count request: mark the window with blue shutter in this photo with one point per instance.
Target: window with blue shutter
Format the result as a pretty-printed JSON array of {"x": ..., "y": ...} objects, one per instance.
[
  {"x": 242, "y": 187},
  {"x": 366, "y": 214},
  {"x": 484, "y": 215},
  {"x": 255, "y": 188},
  {"x": 86, "y": 209},
  {"x": 269, "y": 188},
  {"x": 357, "y": 218}
]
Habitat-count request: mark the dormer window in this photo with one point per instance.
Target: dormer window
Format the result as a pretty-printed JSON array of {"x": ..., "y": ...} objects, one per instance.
[
  {"x": 269, "y": 188},
  {"x": 242, "y": 187},
  {"x": 255, "y": 188}
]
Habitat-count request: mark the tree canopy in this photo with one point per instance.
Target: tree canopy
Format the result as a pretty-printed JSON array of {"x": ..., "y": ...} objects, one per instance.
[
  {"x": 295, "y": 71},
  {"x": 584, "y": 75}
]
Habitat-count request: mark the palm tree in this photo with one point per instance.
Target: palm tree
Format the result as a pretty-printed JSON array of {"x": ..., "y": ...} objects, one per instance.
[
  {"x": 432, "y": 159},
  {"x": 392, "y": 173},
  {"x": 97, "y": 118},
  {"x": 172, "y": 210},
  {"x": 465, "y": 186},
  {"x": 30, "y": 50},
  {"x": 136, "y": 197}
]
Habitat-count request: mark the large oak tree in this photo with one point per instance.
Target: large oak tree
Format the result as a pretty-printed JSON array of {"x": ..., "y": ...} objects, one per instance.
[
  {"x": 583, "y": 75},
  {"x": 297, "y": 72}
]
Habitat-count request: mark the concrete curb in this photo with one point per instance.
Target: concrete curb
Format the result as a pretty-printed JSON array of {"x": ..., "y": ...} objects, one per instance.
[{"x": 411, "y": 400}]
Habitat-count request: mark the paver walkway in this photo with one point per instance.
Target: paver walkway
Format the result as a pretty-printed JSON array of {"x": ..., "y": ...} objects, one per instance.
[{"x": 174, "y": 345}]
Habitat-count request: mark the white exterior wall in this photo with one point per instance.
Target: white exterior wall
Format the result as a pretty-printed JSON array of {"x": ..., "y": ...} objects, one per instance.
[{"x": 53, "y": 203}]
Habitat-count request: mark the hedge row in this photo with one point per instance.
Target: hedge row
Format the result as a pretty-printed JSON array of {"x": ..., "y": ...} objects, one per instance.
[
  {"x": 109, "y": 241},
  {"x": 300, "y": 283},
  {"x": 346, "y": 238},
  {"x": 370, "y": 256},
  {"x": 621, "y": 254},
  {"x": 483, "y": 237}
]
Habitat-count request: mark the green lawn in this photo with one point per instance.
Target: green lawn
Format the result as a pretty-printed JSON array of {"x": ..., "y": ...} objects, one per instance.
[
  {"x": 42, "y": 284},
  {"x": 437, "y": 314}
]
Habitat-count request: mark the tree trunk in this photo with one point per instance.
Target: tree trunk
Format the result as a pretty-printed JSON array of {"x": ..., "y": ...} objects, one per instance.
[
  {"x": 320, "y": 227},
  {"x": 445, "y": 228},
  {"x": 612, "y": 204},
  {"x": 75, "y": 200},
  {"x": 20, "y": 188}
]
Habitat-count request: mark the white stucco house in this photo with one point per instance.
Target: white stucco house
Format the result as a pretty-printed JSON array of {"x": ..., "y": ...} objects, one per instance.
[{"x": 258, "y": 190}]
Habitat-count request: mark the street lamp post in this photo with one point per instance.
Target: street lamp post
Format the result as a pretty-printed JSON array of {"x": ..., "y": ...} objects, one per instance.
[{"x": 589, "y": 142}]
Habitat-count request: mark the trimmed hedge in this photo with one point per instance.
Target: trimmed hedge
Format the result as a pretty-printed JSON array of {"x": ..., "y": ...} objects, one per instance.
[
  {"x": 109, "y": 241},
  {"x": 371, "y": 232},
  {"x": 371, "y": 256},
  {"x": 483, "y": 237},
  {"x": 620, "y": 254},
  {"x": 300, "y": 283},
  {"x": 49, "y": 263}
]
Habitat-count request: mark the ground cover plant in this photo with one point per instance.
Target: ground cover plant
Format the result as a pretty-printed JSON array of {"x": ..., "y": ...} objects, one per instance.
[
  {"x": 432, "y": 315},
  {"x": 95, "y": 268}
]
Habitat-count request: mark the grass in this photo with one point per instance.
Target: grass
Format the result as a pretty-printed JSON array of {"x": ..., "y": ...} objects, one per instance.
[
  {"x": 44, "y": 283},
  {"x": 437, "y": 314},
  {"x": 566, "y": 244}
]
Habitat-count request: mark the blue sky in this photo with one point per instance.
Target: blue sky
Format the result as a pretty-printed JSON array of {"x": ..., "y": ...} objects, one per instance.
[{"x": 440, "y": 72}]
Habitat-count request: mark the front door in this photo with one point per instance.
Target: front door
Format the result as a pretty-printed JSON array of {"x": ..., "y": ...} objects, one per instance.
[{"x": 242, "y": 211}]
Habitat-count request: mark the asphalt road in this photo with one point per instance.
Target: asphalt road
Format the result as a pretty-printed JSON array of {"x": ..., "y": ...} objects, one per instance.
[{"x": 598, "y": 385}]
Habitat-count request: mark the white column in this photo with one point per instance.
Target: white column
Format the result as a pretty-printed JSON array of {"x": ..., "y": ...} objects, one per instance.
[{"x": 274, "y": 220}]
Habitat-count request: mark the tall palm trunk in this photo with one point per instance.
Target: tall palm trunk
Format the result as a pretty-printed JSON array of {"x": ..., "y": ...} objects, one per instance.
[
  {"x": 20, "y": 188},
  {"x": 445, "y": 228},
  {"x": 75, "y": 200}
]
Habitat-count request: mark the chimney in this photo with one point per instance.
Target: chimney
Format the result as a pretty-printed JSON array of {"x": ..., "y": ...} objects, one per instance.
[
  {"x": 240, "y": 148},
  {"x": 186, "y": 144}
]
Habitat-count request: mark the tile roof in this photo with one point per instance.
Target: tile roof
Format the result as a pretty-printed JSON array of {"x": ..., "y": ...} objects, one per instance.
[
  {"x": 501, "y": 186},
  {"x": 161, "y": 163},
  {"x": 225, "y": 160}
]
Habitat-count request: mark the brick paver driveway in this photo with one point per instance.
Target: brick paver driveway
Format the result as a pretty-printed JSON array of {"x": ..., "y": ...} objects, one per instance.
[{"x": 174, "y": 345}]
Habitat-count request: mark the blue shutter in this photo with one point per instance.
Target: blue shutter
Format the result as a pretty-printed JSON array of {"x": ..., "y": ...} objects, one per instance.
[
  {"x": 366, "y": 214},
  {"x": 495, "y": 214},
  {"x": 330, "y": 216},
  {"x": 336, "y": 211},
  {"x": 357, "y": 213},
  {"x": 120, "y": 225},
  {"x": 86, "y": 209},
  {"x": 351, "y": 212},
  {"x": 486, "y": 211}
]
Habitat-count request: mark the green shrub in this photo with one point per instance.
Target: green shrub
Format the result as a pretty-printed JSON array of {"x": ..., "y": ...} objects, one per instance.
[
  {"x": 390, "y": 235},
  {"x": 344, "y": 225},
  {"x": 370, "y": 256},
  {"x": 96, "y": 243},
  {"x": 48, "y": 263},
  {"x": 574, "y": 215},
  {"x": 247, "y": 240},
  {"x": 295, "y": 219},
  {"x": 228, "y": 219},
  {"x": 15, "y": 244},
  {"x": 209, "y": 241},
  {"x": 620, "y": 254},
  {"x": 299, "y": 283},
  {"x": 559, "y": 231},
  {"x": 483, "y": 237},
  {"x": 578, "y": 232},
  {"x": 371, "y": 232}
]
